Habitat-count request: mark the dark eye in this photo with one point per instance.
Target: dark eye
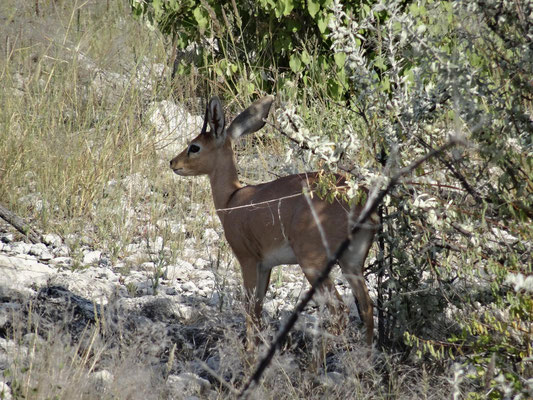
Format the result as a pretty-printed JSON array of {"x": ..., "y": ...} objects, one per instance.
[{"x": 194, "y": 148}]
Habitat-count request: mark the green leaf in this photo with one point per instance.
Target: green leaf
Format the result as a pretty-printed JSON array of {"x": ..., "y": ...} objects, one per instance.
[
  {"x": 379, "y": 62},
  {"x": 340, "y": 58},
  {"x": 200, "y": 15},
  {"x": 334, "y": 89},
  {"x": 250, "y": 88},
  {"x": 284, "y": 7},
  {"x": 313, "y": 6},
  {"x": 306, "y": 58},
  {"x": 322, "y": 22},
  {"x": 295, "y": 63},
  {"x": 385, "y": 84}
]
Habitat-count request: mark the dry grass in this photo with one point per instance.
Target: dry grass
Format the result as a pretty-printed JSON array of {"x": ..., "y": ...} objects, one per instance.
[{"x": 77, "y": 82}]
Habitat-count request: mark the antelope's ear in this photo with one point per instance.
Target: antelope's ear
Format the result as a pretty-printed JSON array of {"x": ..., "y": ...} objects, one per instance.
[
  {"x": 251, "y": 119},
  {"x": 215, "y": 118}
]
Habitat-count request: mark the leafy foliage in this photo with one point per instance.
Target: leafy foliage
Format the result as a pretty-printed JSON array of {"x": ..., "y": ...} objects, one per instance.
[{"x": 265, "y": 42}]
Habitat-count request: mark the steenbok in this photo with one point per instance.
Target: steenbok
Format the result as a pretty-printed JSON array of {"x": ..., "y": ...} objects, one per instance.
[{"x": 274, "y": 223}]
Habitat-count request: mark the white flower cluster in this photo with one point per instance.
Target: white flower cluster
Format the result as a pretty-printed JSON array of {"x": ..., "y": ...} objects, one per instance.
[
  {"x": 520, "y": 282},
  {"x": 317, "y": 144}
]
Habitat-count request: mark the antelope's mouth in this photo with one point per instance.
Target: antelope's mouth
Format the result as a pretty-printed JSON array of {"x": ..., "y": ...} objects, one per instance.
[{"x": 181, "y": 172}]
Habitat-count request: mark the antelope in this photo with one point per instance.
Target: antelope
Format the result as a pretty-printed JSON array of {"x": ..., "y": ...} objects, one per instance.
[{"x": 272, "y": 223}]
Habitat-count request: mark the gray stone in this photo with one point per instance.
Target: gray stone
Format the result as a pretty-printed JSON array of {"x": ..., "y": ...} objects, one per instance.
[
  {"x": 52, "y": 239},
  {"x": 171, "y": 291},
  {"x": 187, "y": 385},
  {"x": 61, "y": 251},
  {"x": 6, "y": 237},
  {"x": 32, "y": 339},
  {"x": 5, "y": 391},
  {"x": 101, "y": 380},
  {"x": 61, "y": 261},
  {"x": 92, "y": 257},
  {"x": 189, "y": 287},
  {"x": 20, "y": 248},
  {"x": 19, "y": 272}
]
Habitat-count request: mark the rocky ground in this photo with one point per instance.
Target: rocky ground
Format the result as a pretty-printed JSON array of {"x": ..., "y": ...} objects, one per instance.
[{"x": 187, "y": 308}]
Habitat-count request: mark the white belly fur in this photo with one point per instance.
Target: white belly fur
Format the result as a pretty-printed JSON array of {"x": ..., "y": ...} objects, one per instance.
[{"x": 279, "y": 256}]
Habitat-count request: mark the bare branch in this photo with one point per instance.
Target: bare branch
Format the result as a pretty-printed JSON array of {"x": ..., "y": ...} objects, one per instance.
[{"x": 19, "y": 224}]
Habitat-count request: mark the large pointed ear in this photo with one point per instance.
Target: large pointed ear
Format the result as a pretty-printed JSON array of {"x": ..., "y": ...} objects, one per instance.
[
  {"x": 251, "y": 119},
  {"x": 214, "y": 116}
]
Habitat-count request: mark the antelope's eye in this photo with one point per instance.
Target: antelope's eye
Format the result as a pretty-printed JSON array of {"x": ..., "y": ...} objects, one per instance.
[{"x": 193, "y": 148}]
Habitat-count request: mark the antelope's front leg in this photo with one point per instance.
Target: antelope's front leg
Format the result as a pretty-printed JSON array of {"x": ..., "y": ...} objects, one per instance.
[{"x": 254, "y": 293}]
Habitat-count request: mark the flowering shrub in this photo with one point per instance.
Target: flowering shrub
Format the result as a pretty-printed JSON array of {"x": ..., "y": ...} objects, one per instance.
[
  {"x": 454, "y": 259},
  {"x": 396, "y": 79}
]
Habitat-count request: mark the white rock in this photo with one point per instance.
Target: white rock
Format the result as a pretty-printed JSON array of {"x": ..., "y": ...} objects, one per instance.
[
  {"x": 17, "y": 272},
  {"x": 157, "y": 244},
  {"x": 40, "y": 251},
  {"x": 184, "y": 310},
  {"x": 52, "y": 239},
  {"x": 204, "y": 275},
  {"x": 173, "y": 227},
  {"x": 147, "y": 266},
  {"x": 5, "y": 391},
  {"x": 201, "y": 263},
  {"x": 101, "y": 380},
  {"x": 84, "y": 283},
  {"x": 182, "y": 270},
  {"x": 137, "y": 183},
  {"x": 61, "y": 261},
  {"x": 37, "y": 249},
  {"x": 211, "y": 235},
  {"x": 133, "y": 248},
  {"x": 186, "y": 385},
  {"x": 20, "y": 247},
  {"x": 189, "y": 287},
  {"x": 205, "y": 284},
  {"x": 92, "y": 257},
  {"x": 61, "y": 251},
  {"x": 173, "y": 126},
  {"x": 6, "y": 237}
]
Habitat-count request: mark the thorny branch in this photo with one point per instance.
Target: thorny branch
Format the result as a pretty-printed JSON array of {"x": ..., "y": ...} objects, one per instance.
[{"x": 371, "y": 206}]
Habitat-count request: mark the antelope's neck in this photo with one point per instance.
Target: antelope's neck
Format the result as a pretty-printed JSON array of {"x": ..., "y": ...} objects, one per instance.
[{"x": 224, "y": 181}]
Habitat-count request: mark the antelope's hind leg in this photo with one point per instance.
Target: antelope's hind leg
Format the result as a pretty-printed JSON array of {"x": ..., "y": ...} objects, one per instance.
[
  {"x": 352, "y": 264},
  {"x": 312, "y": 263}
]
